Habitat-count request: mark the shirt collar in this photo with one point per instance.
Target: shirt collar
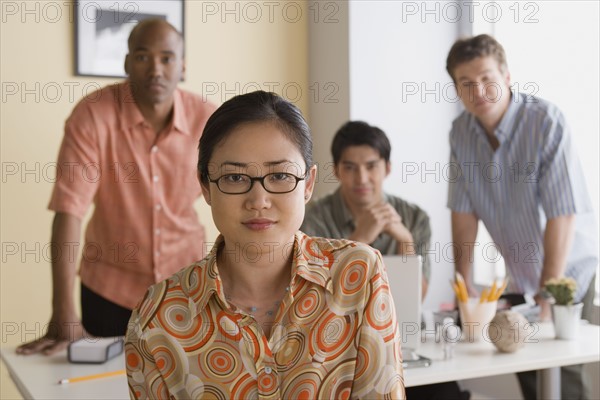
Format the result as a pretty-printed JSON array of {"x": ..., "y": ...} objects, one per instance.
[
  {"x": 201, "y": 281},
  {"x": 180, "y": 122},
  {"x": 341, "y": 213},
  {"x": 132, "y": 116},
  {"x": 506, "y": 126},
  {"x": 504, "y": 129},
  {"x": 310, "y": 262},
  {"x": 130, "y": 113}
]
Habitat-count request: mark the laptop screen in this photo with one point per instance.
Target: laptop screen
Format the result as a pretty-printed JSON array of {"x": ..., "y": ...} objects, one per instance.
[{"x": 404, "y": 274}]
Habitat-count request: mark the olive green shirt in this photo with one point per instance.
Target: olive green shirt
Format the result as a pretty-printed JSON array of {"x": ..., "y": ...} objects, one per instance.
[{"x": 329, "y": 217}]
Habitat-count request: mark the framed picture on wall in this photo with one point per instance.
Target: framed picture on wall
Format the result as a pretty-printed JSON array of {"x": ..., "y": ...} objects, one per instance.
[{"x": 102, "y": 29}]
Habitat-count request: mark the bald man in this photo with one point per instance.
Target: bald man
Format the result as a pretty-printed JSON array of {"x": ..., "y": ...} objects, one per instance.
[{"x": 129, "y": 149}]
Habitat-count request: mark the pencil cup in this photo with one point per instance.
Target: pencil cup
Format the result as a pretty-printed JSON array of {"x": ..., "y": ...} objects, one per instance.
[{"x": 475, "y": 318}]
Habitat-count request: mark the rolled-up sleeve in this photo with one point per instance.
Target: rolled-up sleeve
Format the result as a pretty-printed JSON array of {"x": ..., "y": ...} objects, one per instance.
[
  {"x": 561, "y": 181},
  {"x": 78, "y": 170}
]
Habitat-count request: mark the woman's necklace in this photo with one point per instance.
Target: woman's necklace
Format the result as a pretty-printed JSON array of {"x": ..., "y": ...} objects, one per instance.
[{"x": 254, "y": 310}]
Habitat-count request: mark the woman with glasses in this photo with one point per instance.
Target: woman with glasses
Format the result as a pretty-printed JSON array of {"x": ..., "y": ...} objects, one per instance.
[{"x": 270, "y": 312}]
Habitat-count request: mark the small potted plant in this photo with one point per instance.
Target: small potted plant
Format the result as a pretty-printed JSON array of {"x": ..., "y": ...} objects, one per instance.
[{"x": 565, "y": 315}]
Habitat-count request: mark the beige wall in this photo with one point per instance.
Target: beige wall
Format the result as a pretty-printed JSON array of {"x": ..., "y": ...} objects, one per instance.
[{"x": 225, "y": 57}]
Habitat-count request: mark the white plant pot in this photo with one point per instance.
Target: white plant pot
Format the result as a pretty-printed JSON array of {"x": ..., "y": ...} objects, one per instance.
[{"x": 567, "y": 320}]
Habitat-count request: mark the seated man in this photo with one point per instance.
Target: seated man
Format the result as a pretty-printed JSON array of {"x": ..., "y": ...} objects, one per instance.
[{"x": 359, "y": 210}]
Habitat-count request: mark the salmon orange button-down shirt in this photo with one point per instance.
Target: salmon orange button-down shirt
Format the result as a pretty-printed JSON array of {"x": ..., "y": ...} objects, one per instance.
[
  {"x": 335, "y": 334},
  {"x": 143, "y": 186}
]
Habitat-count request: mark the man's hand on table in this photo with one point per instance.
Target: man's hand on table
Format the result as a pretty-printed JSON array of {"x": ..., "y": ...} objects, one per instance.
[{"x": 61, "y": 332}]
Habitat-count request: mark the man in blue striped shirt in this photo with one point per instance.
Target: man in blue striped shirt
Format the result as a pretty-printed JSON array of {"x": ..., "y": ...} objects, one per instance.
[{"x": 517, "y": 171}]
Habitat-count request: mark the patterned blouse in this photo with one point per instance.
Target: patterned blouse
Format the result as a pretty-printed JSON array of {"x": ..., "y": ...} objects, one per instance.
[{"x": 335, "y": 335}]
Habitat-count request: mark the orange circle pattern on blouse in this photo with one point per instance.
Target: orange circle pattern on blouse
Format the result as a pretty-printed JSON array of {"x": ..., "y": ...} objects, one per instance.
[{"x": 336, "y": 335}]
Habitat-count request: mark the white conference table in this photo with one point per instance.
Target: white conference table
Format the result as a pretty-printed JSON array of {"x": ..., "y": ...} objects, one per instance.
[
  {"x": 36, "y": 376},
  {"x": 481, "y": 359}
]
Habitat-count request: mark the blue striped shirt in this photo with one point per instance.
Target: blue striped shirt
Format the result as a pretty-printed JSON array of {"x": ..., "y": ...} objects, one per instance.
[{"x": 533, "y": 175}]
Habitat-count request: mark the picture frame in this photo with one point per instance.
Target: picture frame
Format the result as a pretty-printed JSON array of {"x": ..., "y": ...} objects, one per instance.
[{"x": 102, "y": 29}]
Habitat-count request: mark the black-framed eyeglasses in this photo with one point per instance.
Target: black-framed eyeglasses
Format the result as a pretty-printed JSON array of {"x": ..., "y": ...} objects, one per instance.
[{"x": 276, "y": 182}]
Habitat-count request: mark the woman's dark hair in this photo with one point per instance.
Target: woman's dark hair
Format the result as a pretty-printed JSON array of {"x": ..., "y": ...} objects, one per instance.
[
  {"x": 252, "y": 107},
  {"x": 465, "y": 50},
  {"x": 358, "y": 133}
]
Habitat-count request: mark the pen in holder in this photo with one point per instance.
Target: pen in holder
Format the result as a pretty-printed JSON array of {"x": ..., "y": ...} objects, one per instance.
[
  {"x": 476, "y": 314},
  {"x": 475, "y": 317}
]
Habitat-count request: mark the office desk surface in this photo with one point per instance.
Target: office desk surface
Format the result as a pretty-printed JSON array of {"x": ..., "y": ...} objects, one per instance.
[
  {"x": 36, "y": 376},
  {"x": 476, "y": 360}
]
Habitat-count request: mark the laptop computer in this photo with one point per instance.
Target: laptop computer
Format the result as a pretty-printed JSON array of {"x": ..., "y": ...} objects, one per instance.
[{"x": 404, "y": 274}]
